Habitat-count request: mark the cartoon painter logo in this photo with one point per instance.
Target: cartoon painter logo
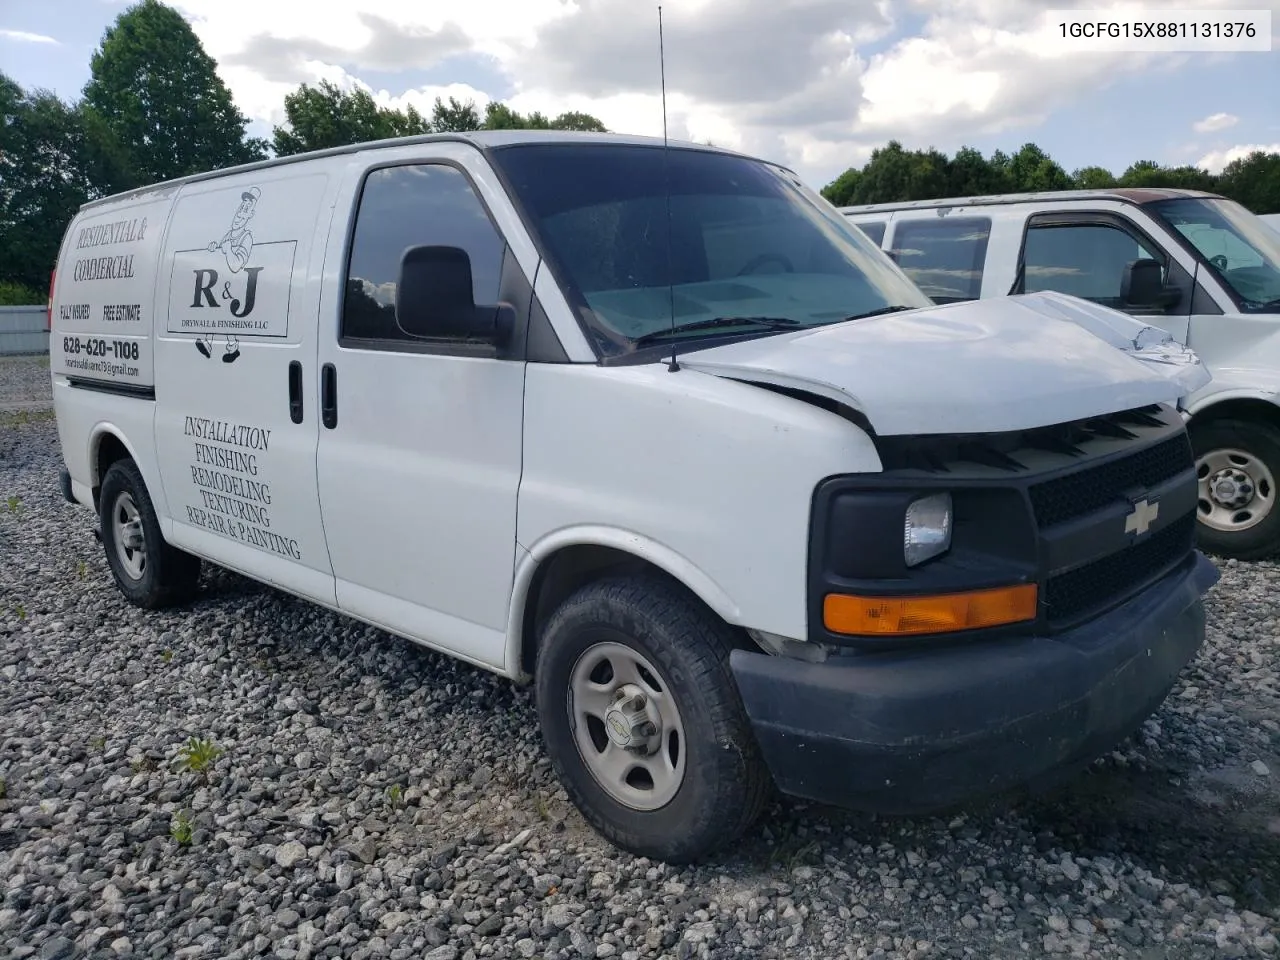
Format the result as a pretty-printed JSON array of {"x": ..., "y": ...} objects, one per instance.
[{"x": 236, "y": 246}]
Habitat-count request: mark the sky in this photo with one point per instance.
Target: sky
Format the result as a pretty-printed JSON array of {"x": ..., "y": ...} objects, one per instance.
[{"x": 813, "y": 84}]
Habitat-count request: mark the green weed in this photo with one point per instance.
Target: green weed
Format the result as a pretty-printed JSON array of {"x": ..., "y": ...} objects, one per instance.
[
  {"x": 182, "y": 828},
  {"x": 197, "y": 756}
]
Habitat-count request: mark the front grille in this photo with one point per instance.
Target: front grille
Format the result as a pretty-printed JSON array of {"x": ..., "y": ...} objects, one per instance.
[
  {"x": 1075, "y": 593},
  {"x": 1078, "y": 494}
]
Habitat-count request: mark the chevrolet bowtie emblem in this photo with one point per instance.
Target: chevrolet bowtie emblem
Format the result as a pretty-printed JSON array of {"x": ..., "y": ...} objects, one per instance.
[{"x": 1140, "y": 518}]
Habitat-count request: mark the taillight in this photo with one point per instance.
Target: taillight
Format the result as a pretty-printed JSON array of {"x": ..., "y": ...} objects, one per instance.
[{"x": 48, "y": 314}]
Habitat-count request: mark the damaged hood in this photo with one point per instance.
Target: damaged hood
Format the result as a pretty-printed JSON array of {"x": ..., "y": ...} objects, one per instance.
[{"x": 1007, "y": 363}]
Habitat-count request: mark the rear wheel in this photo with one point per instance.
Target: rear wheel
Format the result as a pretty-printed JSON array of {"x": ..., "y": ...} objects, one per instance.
[
  {"x": 147, "y": 570},
  {"x": 1237, "y": 465},
  {"x": 642, "y": 719}
]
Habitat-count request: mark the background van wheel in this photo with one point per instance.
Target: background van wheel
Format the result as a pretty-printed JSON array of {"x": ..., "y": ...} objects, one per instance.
[
  {"x": 643, "y": 722},
  {"x": 147, "y": 570},
  {"x": 1237, "y": 465}
]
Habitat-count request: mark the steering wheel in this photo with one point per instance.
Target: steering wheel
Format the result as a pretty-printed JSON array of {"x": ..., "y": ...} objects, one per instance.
[
  {"x": 764, "y": 258},
  {"x": 1219, "y": 261}
]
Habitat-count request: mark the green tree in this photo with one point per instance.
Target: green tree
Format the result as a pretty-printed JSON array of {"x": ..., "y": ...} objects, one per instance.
[
  {"x": 454, "y": 117},
  {"x": 575, "y": 120},
  {"x": 1093, "y": 178},
  {"x": 1031, "y": 170},
  {"x": 1148, "y": 173},
  {"x": 325, "y": 116},
  {"x": 842, "y": 190},
  {"x": 159, "y": 93},
  {"x": 893, "y": 173},
  {"x": 53, "y": 158},
  {"x": 498, "y": 116},
  {"x": 1253, "y": 181},
  {"x": 973, "y": 175}
]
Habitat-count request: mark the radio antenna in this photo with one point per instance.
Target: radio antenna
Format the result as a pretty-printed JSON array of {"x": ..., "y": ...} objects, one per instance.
[{"x": 673, "y": 366}]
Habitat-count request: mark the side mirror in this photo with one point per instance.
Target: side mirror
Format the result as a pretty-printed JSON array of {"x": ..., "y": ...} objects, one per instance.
[
  {"x": 434, "y": 299},
  {"x": 1142, "y": 286}
]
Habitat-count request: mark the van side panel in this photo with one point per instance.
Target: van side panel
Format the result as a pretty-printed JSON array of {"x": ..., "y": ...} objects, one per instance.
[
  {"x": 100, "y": 346},
  {"x": 104, "y": 294},
  {"x": 237, "y": 396}
]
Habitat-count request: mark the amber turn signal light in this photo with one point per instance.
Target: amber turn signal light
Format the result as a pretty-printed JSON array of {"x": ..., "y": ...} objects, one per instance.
[{"x": 944, "y": 613}]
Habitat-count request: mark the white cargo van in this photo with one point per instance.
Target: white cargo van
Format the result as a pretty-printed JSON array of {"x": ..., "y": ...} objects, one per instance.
[
  {"x": 659, "y": 431},
  {"x": 1196, "y": 265}
]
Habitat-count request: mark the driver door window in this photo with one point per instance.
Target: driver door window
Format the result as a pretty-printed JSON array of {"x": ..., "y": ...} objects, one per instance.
[{"x": 1085, "y": 260}]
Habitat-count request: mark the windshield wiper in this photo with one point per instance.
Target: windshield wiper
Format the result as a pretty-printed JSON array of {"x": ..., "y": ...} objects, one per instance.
[
  {"x": 897, "y": 308},
  {"x": 768, "y": 323}
]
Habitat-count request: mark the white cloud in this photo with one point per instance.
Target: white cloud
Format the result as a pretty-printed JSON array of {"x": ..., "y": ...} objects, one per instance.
[
  {"x": 797, "y": 82},
  {"x": 22, "y": 36},
  {"x": 1215, "y": 161},
  {"x": 423, "y": 99},
  {"x": 1215, "y": 122}
]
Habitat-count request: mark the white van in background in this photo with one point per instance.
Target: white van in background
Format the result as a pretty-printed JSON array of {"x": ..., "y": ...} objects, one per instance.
[
  {"x": 1196, "y": 265},
  {"x": 658, "y": 430}
]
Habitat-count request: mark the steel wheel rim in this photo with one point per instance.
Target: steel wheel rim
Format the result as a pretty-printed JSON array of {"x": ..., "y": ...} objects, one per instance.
[
  {"x": 1237, "y": 490},
  {"x": 127, "y": 533},
  {"x": 604, "y": 714}
]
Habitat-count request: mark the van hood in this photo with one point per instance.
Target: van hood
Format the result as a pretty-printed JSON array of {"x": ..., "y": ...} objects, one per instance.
[{"x": 1007, "y": 363}]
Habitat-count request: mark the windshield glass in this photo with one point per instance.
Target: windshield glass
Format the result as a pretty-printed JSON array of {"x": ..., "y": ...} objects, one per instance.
[
  {"x": 744, "y": 240},
  {"x": 1242, "y": 250}
]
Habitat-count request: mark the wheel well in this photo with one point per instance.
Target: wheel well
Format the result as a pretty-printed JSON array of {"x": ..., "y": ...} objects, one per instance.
[
  {"x": 110, "y": 449},
  {"x": 1244, "y": 408},
  {"x": 562, "y": 574}
]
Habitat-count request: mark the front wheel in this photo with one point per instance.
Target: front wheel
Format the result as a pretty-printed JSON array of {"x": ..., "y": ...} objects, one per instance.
[
  {"x": 642, "y": 719},
  {"x": 1237, "y": 463},
  {"x": 148, "y": 570}
]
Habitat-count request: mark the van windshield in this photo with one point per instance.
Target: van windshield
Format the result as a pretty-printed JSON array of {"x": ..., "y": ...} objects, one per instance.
[
  {"x": 745, "y": 241},
  {"x": 1242, "y": 250}
]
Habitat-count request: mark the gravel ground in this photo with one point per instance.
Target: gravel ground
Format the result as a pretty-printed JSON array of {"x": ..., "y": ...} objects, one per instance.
[
  {"x": 24, "y": 384},
  {"x": 373, "y": 800}
]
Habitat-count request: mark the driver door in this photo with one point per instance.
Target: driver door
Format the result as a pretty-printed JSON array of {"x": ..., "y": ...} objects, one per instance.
[{"x": 1084, "y": 254}]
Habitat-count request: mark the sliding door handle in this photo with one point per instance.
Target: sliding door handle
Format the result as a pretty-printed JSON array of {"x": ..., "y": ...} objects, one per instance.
[
  {"x": 329, "y": 396},
  {"x": 295, "y": 391}
]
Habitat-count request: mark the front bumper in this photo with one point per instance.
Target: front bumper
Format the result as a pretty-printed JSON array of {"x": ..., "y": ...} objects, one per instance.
[{"x": 915, "y": 732}]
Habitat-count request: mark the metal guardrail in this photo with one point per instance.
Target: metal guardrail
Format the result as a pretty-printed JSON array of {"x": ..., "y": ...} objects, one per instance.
[{"x": 22, "y": 330}]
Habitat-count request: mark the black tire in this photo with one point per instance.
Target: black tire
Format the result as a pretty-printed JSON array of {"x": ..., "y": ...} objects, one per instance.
[
  {"x": 725, "y": 785},
  {"x": 169, "y": 576},
  {"x": 1258, "y": 440}
]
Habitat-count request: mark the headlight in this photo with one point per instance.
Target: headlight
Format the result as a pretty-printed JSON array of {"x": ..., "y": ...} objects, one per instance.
[{"x": 927, "y": 531}]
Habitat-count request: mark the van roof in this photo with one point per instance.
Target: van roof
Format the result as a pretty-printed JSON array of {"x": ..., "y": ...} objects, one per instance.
[
  {"x": 1137, "y": 196},
  {"x": 481, "y": 139}
]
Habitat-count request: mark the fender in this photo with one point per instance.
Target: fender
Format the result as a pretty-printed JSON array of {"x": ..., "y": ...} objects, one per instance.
[
  {"x": 1209, "y": 401},
  {"x": 624, "y": 541},
  {"x": 105, "y": 428}
]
